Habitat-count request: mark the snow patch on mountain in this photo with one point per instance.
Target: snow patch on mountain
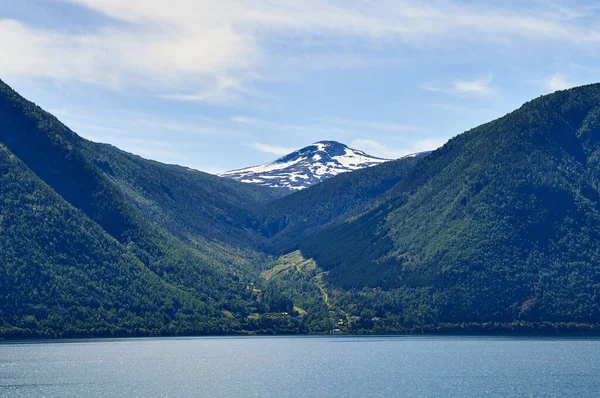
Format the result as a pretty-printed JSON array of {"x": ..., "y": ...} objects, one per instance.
[{"x": 307, "y": 166}]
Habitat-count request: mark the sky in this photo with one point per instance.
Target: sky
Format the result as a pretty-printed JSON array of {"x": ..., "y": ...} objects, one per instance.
[{"x": 219, "y": 85}]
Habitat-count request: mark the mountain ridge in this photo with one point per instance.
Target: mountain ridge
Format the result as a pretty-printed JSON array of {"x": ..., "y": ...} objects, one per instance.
[
  {"x": 501, "y": 224},
  {"x": 144, "y": 214}
]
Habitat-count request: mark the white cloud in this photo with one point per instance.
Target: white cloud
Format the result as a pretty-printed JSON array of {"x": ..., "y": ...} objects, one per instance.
[
  {"x": 558, "y": 82},
  {"x": 277, "y": 150},
  {"x": 223, "y": 91},
  {"x": 201, "y": 50},
  {"x": 479, "y": 86},
  {"x": 377, "y": 148}
]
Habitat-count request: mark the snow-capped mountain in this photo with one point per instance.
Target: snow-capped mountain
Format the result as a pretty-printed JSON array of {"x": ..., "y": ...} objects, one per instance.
[{"x": 306, "y": 166}]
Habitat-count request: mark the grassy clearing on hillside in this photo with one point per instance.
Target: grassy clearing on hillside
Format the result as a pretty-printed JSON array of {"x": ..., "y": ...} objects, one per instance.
[
  {"x": 301, "y": 280},
  {"x": 290, "y": 260}
]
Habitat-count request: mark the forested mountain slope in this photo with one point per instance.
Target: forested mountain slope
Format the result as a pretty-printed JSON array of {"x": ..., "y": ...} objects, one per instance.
[
  {"x": 500, "y": 224},
  {"x": 290, "y": 218},
  {"x": 189, "y": 203},
  {"x": 61, "y": 274},
  {"x": 183, "y": 245}
]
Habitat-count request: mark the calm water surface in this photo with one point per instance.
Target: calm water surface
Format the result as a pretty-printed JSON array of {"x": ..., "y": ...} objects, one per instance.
[{"x": 302, "y": 366}]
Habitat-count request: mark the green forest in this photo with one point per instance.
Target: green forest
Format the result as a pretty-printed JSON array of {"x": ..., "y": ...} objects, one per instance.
[{"x": 498, "y": 231}]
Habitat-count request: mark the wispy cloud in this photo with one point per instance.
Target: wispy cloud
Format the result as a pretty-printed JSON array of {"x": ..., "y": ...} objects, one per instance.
[
  {"x": 379, "y": 149},
  {"x": 85, "y": 121},
  {"x": 223, "y": 91},
  {"x": 333, "y": 60},
  {"x": 276, "y": 150},
  {"x": 360, "y": 125},
  {"x": 226, "y": 90},
  {"x": 325, "y": 127},
  {"x": 585, "y": 68},
  {"x": 358, "y": 133},
  {"x": 150, "y": 136},
  {"x": 206, "y": 51},
  {"x": 479, "y": 86},
  {"x": 558, "y": 82},
  {"x": 311, "y": 130},
  {"x": 462, "y": 110},
  {"x": 266, "y": 124}
]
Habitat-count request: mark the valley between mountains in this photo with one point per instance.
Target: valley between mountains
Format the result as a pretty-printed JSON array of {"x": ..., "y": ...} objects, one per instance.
[{"x": 498, "y": 231}]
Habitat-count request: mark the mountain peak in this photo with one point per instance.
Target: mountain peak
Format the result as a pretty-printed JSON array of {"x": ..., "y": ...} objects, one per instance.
[
  {"x": 331, "y": 143},
  {"x": 306, "y": 166}
]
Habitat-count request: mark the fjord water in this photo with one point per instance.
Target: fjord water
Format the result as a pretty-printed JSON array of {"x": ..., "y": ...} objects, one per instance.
[{"x": 302, "y": 366}]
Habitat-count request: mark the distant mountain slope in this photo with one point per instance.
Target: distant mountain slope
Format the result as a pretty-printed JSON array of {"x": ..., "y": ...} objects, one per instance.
[
  {"x": 501, "y": 224},
  {"x": 290, "y": 218},
  {"x": 307, "y": 166},
  {"x": 190, "y": 204}
]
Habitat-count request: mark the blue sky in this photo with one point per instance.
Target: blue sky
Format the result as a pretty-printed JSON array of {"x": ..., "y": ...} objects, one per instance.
[{"x": 228, "y": 84}]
